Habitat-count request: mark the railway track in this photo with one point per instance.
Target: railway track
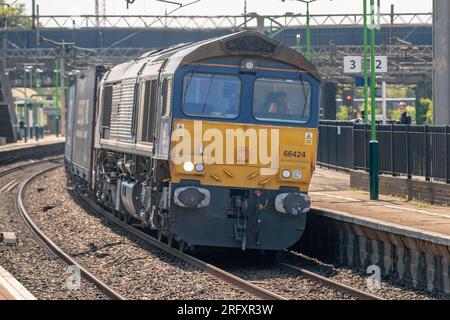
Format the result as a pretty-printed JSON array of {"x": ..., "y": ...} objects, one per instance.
[
  {"x": 251, "y": 287},
  {"x": 202, "y": 265},
  {"x": 330, "y": 283},
  {"x": 27, "y": 164},
  {"x": 42, "y": 238},
  {"x": 289, "y": 280},
  {"x": 248, "y": 286}
]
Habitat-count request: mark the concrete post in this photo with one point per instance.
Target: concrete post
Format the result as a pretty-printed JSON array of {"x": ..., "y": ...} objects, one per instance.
[
  {"x": 260, "y": 24},
  {"x": 441, "y": 60},
  {"x": 422, "y": 91},
  {"x": 329, "y": 105},
  {"x": 383, "y": 95}
]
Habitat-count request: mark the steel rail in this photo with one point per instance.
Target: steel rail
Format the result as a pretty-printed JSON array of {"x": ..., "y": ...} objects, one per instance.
[
  {"x": 109, "y": 292},
  {"x": 331, "y": 283},
  {"x": 28, "y": 164},
  {"x": 202, "y": 265},
  {"x": 215, "y": 271}
]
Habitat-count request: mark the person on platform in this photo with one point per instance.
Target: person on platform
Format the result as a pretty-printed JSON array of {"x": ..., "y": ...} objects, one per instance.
[
  {"x": 405, "y": 118},
  {"x": 21, "y": 129},
  {"x": 361, "y": 119}
]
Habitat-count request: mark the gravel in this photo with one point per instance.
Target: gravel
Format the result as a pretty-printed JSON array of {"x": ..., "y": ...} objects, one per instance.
[
  {"x": 130, "y": 266},
  {"x": 42, "y": 273},
  {"x": 389, "y": 289},
  {"x": 140, "y": 271},
  {"x": 288, "y": 284}
]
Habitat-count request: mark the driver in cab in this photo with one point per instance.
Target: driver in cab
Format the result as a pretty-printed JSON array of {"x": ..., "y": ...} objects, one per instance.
[{"x": 278, "y": 103}]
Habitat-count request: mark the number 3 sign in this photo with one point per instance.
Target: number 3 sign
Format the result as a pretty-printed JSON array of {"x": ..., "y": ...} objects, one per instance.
[{"x": 352, "y": 64}]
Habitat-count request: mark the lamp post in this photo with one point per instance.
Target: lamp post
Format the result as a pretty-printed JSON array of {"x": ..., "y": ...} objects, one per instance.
[
  {"x": 56, "y": 100},
  {"x": 366, "y": 80},
  {"x": 25, "y": 106},
  {"x": 308, "y": 29},
  {"x": 373, "y": 145},
  {"x": 297, "y": 44},
  {"x": 31, "y": 107},
  {"x": 40, "y": 106}
]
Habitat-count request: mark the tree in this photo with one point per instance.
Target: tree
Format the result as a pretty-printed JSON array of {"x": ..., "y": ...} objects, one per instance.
[
  {"x": 428, "y": 108},
  {"x": 342, "y": 114},
  {"x": 424, "y": 109},
  {"x": 13, "y": 16}
]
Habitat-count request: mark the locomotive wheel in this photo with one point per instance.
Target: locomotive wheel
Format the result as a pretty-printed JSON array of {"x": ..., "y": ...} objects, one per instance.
[
  {"x": 170, "y": 240},
  {"x": 182, "y": 246},
  {"x": 264, "y": 256},
  {"x": 126, "y": 218}
]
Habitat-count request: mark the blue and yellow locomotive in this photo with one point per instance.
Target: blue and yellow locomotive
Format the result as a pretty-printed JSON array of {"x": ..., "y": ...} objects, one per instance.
[{"x": 209, "y": 144}]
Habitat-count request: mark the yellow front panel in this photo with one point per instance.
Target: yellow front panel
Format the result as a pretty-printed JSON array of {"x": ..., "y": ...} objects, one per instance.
[{"x": 242, "y": 155}]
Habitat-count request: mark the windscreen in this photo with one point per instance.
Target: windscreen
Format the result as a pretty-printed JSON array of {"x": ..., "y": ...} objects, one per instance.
[
  {"x": 211, "y": 95},
  {"x": 282, "y": 100}
]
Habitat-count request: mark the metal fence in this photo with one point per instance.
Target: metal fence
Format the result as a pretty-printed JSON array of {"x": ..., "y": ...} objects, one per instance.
[{"x": 410, "y": 150}]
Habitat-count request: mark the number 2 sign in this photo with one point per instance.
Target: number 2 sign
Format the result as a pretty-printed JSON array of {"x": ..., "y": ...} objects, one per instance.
[{"x": 381, "y": 64}]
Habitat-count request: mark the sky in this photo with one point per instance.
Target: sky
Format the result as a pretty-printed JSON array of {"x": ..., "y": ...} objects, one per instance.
[{"x": 220, "y": 7}]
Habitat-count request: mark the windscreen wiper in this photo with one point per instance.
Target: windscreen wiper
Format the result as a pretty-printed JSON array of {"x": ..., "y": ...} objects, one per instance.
[
  {"x": 187, "y": 87},
  {"x": 305, "y": 95},
  {"x": 207, "y": 94}
]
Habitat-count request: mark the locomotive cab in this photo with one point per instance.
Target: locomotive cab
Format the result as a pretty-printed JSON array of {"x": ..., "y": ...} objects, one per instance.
[{"x": 243, "y": 146}]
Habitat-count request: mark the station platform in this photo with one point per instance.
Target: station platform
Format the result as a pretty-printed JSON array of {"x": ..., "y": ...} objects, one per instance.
[
  {"x": 20, "y": 151},
  {"x": 408, "y": 241},
  {"x": 330, "y": 191},
  {"x": 50, "y": 139},
  {"x": 11, "y": 289}
]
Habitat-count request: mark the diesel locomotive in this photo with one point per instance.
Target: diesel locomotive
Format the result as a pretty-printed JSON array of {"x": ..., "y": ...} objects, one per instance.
[{"x": 208, "y": 144}]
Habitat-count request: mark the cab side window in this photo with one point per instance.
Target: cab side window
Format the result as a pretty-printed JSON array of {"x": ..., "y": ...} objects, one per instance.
[
  {"x": 149, "y": 110},
  {"x": 107, "y": 106},
  {"x": 166, "y": 97}
]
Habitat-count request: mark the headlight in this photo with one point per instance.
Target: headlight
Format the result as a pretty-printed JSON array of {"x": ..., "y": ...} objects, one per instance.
[
  {"x": 192, "y": 197},
  {"x": 188, "y": 166},
  {"x": 297, "y": 174},
  {"x": 292, "y": 203},
  {"x": 199, "y": 167},
  {"x": 286, "y": 174}
]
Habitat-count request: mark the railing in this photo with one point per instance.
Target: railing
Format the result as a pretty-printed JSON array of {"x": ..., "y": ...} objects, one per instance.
[
  {"x": 409, "y": 150},
  {"x": 422, "y": 51},
  {"x": 213, "y": 22}
]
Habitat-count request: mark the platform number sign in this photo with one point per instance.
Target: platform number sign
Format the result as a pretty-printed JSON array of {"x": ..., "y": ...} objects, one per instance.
[
  {"x": 381, "y": 64},
  {"x": 353, "y": 64}
]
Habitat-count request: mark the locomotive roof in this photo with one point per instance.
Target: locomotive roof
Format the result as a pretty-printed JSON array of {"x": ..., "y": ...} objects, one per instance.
[{"x": 249, "y": 43}]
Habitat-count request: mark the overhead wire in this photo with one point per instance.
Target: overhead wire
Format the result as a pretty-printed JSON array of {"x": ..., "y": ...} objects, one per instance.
[{"x": 155, "y": 21}]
